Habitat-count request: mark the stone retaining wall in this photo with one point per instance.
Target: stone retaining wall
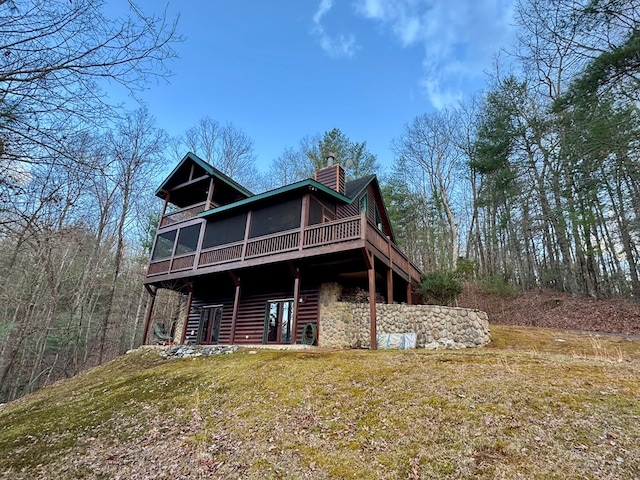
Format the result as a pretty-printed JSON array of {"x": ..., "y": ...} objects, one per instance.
[{"x": 347, "y": 325}]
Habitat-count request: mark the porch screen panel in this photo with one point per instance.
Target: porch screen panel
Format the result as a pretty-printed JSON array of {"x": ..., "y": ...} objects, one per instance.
[
  {"x": 315, "y": 212},
  {"x": 225, "y": 230},
  {"x": 275, "y": 218},
  {"x": 188, "y": 239},
  {"x": 164, "y": 245},
  {"x": 319, "y": 213}
]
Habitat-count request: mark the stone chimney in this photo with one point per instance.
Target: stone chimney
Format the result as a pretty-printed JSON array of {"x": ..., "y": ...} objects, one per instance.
[{"x": 331, "y": 176}]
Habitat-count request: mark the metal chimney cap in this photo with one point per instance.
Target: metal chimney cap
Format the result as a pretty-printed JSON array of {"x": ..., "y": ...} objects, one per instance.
[{"x": 330, "y": 158}]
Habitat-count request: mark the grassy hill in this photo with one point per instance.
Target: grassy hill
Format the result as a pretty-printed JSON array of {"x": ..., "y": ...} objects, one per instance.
[{"x": 537, "y": 403}]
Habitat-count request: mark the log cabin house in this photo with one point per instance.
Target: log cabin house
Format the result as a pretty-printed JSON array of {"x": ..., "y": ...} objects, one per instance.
[{"x": 251, "y": 266}]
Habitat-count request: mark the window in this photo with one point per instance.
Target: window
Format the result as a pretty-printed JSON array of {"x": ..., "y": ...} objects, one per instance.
[
  {"x": 164, "y": 245},
  {"x": 364, "y": 203},
  {"x": 377, "y": 216},
  {"x": 188, "y": 239},
  {"x": 225, "y": 230},
  {"x": 275, "y": 218}
]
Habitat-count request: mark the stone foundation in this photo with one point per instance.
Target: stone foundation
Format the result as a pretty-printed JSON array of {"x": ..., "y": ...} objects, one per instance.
[{"x": 347, "y": 325}]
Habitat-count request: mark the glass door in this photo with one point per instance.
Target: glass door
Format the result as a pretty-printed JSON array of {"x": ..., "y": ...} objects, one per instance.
[
  {"x": 279, "y": 321},
  {"x": 210, "y": 319}
]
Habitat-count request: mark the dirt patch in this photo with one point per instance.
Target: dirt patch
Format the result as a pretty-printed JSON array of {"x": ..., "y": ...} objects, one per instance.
[{"x": 547, "y": 308}]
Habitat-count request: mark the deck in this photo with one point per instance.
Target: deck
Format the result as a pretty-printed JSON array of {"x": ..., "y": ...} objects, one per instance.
[{"x": 337, "y": 236}]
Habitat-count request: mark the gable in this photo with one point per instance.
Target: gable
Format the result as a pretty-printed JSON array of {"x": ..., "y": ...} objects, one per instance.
[
  {"x": 189, "y": 183},
  {"x": 365, "y": 193}
]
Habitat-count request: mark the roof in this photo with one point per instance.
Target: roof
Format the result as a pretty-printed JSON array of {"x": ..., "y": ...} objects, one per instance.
[
  {"x": 308, "y": 184},
  {"x": 211, "y": 170},
  {"x": 355, "y": 187}
]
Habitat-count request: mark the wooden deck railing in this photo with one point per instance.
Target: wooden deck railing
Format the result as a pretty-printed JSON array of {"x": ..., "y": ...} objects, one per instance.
[
  {"x": 330, "y": 232},
  {"x": 387, "y": 247},
  {"x": 182, "y": 215},
  {"x": 311, "y": 237},
  {"x": 184, "y": 262},
  {"x": 272, "y": 244},
  {"x": 221, "y": 254}
]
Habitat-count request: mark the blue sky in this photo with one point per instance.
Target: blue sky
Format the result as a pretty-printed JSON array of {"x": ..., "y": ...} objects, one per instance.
[{"x": 284, "y": 69}]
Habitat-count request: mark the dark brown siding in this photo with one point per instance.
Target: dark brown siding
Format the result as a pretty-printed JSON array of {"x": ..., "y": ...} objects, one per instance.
[
  {"x": 251, "y": 312},
  {"x": 349, "y": 210},
  {"x": 307, "y": 311},
  {"x": 332, "y": 177},
  {"x": 194, "y": 319}
]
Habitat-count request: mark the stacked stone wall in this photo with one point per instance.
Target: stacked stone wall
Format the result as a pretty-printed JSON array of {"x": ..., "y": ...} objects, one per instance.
[{"x": 347, "y": 325}]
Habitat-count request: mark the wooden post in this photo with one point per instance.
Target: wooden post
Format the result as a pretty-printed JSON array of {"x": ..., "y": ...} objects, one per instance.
[
  {"x": 186, "y": 315},
  {"x": 164, "y": 208},
  {"x": 390, "y": 273},
  {"x": 372, "y": 303},
  {"x": 409, "y": 300},
  {"x": 148, "y": 313},
  {"x": 304, "y": 219},
  {"x": 207, "y": 205},
  {"x": 236, "y": 304},
  {"x": 246, "y": 235},
  {"x": 296, "y": 300},
  {"x": 196, "y": 260}
]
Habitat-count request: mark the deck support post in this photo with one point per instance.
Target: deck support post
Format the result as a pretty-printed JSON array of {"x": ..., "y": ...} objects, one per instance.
[
  {"x": 296, "y": 303},
  {"x": 409, "y": 293},
  {"x": 236, "y": 304},
  {"x": 389, "y": 273},
  {"x": 147, "y": 321},
  {"x": 183, "y": 337},
  {"x": 372, "y": 302}
]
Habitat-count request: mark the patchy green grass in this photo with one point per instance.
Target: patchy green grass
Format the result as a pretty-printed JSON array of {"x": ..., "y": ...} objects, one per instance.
[{"x": 535, "y": 404}]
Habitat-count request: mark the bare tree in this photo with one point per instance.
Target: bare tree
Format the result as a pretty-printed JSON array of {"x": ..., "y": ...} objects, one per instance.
[
  {"x": 56, "y": 56},
  {"x": 430, "y": 145},
  {"x": 226, "y": 147},
  {"x": 137, "y": 148}
]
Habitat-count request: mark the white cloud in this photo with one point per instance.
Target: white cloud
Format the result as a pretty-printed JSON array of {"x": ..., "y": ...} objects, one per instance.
[
  {"x": 459, "y": 38},
  {"x": 323, "y": 8},
  {"x": 336, "y": 46}
]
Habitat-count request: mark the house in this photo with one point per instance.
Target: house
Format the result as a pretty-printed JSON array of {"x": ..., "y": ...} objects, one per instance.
[{"x": 252, "y": 266}]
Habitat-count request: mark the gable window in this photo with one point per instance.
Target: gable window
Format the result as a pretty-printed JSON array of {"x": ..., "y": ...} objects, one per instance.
[
  {"x": 364, "y": 203},
  {"x": 377, "y": 216},
  {"x": 164, "y": 245}
]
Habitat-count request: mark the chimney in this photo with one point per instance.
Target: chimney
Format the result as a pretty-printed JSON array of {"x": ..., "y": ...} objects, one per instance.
[{"x": 331, "y": 176}]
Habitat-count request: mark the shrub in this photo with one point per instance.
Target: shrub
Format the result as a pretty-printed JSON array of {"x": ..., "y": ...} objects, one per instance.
[
  {"x": 496, "y": 285},
  {"x": 440, "y": 287}
]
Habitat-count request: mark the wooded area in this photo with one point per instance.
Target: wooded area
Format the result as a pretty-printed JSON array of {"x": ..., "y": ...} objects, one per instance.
[{"x": 534, "y": 183}]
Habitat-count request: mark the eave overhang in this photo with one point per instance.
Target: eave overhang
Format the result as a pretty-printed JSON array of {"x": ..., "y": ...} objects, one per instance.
[{"x": 302, "y": 186}]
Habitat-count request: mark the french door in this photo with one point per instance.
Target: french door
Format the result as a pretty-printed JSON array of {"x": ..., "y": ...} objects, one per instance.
[
  {"x": 279, "y": 321},
  {"x": 209, "y": 329}
]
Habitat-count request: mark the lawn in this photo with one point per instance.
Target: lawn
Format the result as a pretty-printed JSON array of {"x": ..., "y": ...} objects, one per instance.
[{"x": 536, "y": 403}]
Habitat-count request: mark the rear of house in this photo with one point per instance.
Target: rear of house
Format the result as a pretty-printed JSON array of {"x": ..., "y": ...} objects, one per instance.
[{"x": 252, "y": 268}]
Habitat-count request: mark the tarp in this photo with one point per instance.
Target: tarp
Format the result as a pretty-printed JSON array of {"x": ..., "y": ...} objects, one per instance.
[{"x": 396, "y": 341}]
